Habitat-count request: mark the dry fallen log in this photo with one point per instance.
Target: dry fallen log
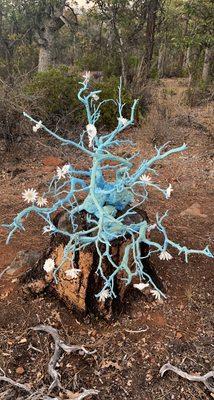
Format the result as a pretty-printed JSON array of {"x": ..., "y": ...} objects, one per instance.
[{"x": 79, "y": 293}]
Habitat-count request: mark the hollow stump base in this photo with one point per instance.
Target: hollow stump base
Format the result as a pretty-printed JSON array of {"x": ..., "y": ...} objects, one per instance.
[{"x": 79, "y": 293}]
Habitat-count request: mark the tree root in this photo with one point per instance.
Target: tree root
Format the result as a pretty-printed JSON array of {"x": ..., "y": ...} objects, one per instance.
[
  {"x": 59, "y": 346},
  {"x": 56, "y": 383},
  {"x": 193, "y": 378}
]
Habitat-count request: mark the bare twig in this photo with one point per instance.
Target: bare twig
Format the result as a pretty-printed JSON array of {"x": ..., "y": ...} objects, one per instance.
[
  {"x": 194, "y": 378},
  {"x": 4, "y": 270},
  {"x": 137, "y": 331},
  {"x": 59, "y": 346},
  {"x": 86, "y": 393},
  {"x": 15, "y": 384}
]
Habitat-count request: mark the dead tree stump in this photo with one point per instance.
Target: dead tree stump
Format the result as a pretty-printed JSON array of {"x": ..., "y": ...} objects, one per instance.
[{"x": 79, "y": 293}]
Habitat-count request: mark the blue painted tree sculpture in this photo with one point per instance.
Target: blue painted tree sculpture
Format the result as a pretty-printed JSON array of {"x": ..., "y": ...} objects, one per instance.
[{"x": 109, "y": 205}]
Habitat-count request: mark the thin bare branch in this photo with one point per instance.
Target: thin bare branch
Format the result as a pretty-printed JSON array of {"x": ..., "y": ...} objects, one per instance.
[
  {"x": 15, "y": 384},
  {"x": 193, "y": 378},
  {"x": 59, "y": 346}
]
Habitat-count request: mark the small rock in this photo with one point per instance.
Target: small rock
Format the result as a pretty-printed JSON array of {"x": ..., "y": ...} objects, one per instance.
[
  {"x": 20, "y": 370},
  {"x": 194, "y": 210},
  {"x": 178, "y": 335}
]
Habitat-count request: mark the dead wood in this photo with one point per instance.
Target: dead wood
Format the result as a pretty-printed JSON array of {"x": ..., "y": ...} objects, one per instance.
[{"x": 193, "y": 378}]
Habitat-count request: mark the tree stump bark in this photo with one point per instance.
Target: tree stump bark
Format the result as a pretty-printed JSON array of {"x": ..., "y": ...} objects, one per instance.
[{"x": 79, "y": 293}]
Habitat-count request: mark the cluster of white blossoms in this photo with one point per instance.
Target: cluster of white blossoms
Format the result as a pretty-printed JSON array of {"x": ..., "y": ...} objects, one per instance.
[
  {"x": 62, "y": 172},
  {"x": 49, "y": 267},
  {"x": 31, "y": 196},
  {"x": 141, "y": 286},
  {"x": 92, "y": 133},
  {"x": 164, "y": 255},
  {"x": 37, "y": 126}
]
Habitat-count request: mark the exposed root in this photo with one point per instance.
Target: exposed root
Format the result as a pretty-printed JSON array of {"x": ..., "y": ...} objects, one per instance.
[
  {"x": 194, "y": 378},
  {"x": 56, "y": 383},
  {"x": 59, "y": 346}
]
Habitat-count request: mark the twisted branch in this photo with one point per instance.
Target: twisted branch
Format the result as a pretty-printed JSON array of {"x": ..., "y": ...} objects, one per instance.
[
  {"x": 59, "y": 346},
  {"x": 193, "y": 378}
]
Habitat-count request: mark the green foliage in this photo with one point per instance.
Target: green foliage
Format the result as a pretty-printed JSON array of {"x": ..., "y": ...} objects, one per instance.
[
  {"x": 54, "y": 94},
  {"x": 199, "y": 94},
  {"x": 110, "y": 91},
  {"x": 56, "y": 88}
]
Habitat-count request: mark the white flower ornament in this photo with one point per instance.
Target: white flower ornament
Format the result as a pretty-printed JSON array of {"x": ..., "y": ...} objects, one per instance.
[
  {"x": 156, "y": 294},
  {"x": 30, "y": 195},
  {"x": 37, "y": 126},
  {"x": 104, "y": 295},
  {"x": 123, "y": 121},
  {"x": 92, "y": 132},
  {"x": 145, "y": 178},
  {"x": 164, "y": 255},
  {"x": 141, "y": 286},
  {"x": 41, "y": 201},
  {"x": 95, "y": 97},
  {"x": 72, "y": 273},
  {"x": 169, "y": 190},
  {"x": 49, "y": 265},
  {"x": 62, "y": 172},
  {"x": 48, "y": 229},
  {"x": 87, "y": 76}
]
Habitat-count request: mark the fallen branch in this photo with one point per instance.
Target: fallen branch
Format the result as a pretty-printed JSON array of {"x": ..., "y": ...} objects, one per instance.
[
  {"x": 4, "y": 271},
  {"x": 59, "y": 346},
  {"x": 193, "y": 378},
  {"x": 15, "y": 384}
]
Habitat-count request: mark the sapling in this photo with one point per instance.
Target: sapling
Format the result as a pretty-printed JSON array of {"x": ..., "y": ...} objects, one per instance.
[{"x": 109, "y": 205}]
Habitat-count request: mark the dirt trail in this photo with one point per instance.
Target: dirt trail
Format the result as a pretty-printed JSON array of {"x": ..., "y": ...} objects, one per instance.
[{"x": 180, "y": 329}]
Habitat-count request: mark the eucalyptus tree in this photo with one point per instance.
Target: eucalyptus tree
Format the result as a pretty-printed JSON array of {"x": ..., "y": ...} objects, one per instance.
[
  {"x": 38, "y": 20},
  {"x": 132, "y": 27},
  {"x": 201, "y": 35}
]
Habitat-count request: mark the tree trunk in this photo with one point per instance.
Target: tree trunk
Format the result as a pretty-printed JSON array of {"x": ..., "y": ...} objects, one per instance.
[
  {"x": 161, "y": 60},
  {"x": 187, "y": 58},
  {"x": 207, "y": 64},
  {"x": 152, "y": 9},
  {"x": 80, "y": 293},
  {"x": 193, "y": 66},
  {"x": 46, "y": 49},
  {"x": 181, "y": 62}
]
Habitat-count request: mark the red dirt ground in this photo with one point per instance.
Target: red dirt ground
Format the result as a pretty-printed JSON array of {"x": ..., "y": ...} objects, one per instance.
[{"x": 179, "y": 329}]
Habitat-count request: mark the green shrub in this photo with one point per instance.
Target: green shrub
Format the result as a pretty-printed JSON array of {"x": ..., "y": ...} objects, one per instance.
[
  {"x": 52, "y": 95},
  {"x": 197, "y": 95},
  {"x": 109, "y": 89}
]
